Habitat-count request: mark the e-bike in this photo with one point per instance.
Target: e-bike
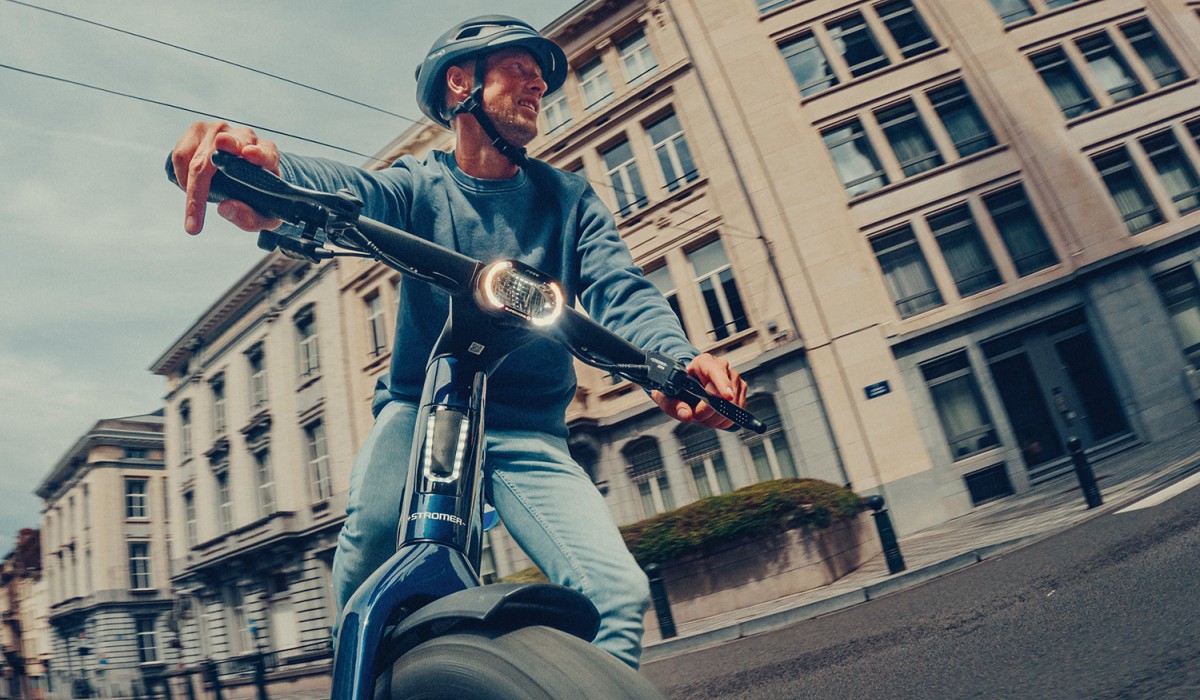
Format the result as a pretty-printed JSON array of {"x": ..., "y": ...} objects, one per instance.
[{"x": 423, "y": 626}]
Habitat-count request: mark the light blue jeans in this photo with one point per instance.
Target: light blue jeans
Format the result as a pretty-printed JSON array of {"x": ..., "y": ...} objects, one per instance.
[{"x": 546, "y": 501}]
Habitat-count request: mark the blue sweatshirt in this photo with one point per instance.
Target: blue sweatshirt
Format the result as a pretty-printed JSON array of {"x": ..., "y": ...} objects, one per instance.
[{"x": 544, "y": 217}]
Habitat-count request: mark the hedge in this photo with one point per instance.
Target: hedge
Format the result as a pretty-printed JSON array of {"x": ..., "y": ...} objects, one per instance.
[{"x": 765, "y": 508}]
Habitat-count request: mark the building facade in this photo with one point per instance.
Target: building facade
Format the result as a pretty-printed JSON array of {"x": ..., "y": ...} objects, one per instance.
[
  {"x": 105, "y": 549},
  {"x": 260, "y": 439},
  {"x": 23, "y": 620},
  {"x": 939, "y": 238}
]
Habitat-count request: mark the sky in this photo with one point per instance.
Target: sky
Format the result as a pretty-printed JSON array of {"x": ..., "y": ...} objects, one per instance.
[{"x": 97, "y": 277}]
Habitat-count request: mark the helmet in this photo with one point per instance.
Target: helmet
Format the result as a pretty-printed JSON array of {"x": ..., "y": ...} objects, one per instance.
[{"x": 475, "y": 38}]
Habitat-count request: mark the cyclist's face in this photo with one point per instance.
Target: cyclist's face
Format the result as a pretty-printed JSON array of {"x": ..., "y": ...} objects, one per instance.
[{"x": 512, "y": 94}]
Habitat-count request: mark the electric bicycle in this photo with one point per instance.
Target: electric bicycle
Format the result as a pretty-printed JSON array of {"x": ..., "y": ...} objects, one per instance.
[{"x": 423, "y": 626}]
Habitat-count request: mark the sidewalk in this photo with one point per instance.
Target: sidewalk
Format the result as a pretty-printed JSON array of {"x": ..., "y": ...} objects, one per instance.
[{"x": 988, "y": 531}]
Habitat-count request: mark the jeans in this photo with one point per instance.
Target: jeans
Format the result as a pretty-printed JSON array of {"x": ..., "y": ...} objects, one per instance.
[{"x": 546, "y": 501}]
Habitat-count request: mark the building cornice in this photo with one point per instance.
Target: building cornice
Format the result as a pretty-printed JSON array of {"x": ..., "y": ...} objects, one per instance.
[{"x": 73, "y": 463}]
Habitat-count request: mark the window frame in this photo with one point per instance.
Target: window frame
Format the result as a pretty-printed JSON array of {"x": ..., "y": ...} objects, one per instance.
[
  {"x": 134, "y": 510},
  {"x": 140, "y": 565},
  {"x": 675, "y": 147},
  {"x": 316, "y": 436},
  {"x": 636, "y": 45},
  {"x": 625, "y": 179},
  {"x": 719, "y": 277}
]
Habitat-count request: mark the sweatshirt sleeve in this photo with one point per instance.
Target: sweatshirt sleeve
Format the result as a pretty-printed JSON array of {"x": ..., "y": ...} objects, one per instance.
[
  {"x": 386, "y": 194},
  {"x": 615, "y": 293}
]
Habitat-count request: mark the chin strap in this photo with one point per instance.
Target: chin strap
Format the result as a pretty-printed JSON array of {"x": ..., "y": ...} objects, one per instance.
[{"x": 473, "y": 105}]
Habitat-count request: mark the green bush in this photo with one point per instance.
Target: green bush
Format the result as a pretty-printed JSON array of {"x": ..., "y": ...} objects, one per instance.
[{"x": 765, "y": 508}]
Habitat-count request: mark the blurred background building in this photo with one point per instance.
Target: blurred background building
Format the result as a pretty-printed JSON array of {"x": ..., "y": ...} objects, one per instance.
[{"x": 24, "y": 642}]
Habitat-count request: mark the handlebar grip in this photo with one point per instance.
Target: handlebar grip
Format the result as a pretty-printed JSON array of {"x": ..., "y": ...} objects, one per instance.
[
  {"x": 223, "y": 187},
  {"x": 740, "y": 416}
]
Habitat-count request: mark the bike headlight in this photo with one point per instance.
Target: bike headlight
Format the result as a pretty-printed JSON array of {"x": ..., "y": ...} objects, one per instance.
[{"x": 511, "y": 287}]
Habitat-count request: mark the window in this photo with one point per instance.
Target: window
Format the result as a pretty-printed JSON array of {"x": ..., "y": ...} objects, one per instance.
[
  {"x": 147, "y": 640},
  {"x": 1153, "y": 52},
  {"x": 1065, "y": 85},
  {"x": 959, "y": 114},
  {"x": 1181, "y": 296},
  {"x": 963, "y": 415},
  {"x": 1193, "y": 128},
  {"x": 808, "y": 64},
  {"x": 318, "y": 461},
  {"x": 376, "y": 325},
  {"x": 674, "y": 157},
  {"x": 857, "y": 45},
  {"x": 637, "y": 58},
  {"x": 257, "y": 362},
  {"x": 265, "y": 479},
  {"x": 185, "y": 429},
  {"x": 306, "y": 337},
  {"x": 189, "y": 519},
  {"x": 136, "y": 453},
  {"x": 224, "y": 502},
  {"x": 217, "y": 385},
  {"x": 770, "y": 452},
  {"x": 626, "y": 182},
  {"x": 139, "y": 565},
  {"x": 963, "y": 248},
  {"x": 595, "y": 85},
  {"x": 714, "y": 277},
  {"x": 702, "y": 454},
  {"x": 660, "y": 277},
  {"x": 1174, "y": 170},
  {"x": 906, "y": 27},
  {"x": 237, "y": 621},
  {"x": 649, "y": 476},
  {"x": 1109, "y": 68},
  {"x": 854, "y": 158},
  {"x": 137, "y": 505},
  {"x": 909, "y": 138},
  {"x": 1055, "y": 4},
  {"x": 765, "y": 6},
  {"x": 1128, "y": 190},
  {"x": 905, "y": 272},
  {"x": 1020, "y": 229},
  {"x": 558, "y": 114},
  {"x": 1012, "y": 10}
]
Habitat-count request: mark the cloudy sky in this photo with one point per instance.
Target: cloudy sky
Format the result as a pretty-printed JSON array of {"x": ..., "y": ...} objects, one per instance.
[{"x": 97, "y": 277}]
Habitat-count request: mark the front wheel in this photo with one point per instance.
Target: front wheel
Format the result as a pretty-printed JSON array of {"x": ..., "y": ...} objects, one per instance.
[{"x": 529, "y": 663}]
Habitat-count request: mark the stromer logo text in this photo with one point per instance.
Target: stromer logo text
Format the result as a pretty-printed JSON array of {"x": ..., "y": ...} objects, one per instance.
[{"x": 437, "y": 516}]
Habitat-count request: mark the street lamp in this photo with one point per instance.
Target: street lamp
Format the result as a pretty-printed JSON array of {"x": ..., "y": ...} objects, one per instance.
[{"x": 260, "y": 669}]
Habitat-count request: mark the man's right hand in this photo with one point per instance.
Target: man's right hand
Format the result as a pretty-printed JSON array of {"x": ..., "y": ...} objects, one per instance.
[{"x": 192, "y": 159}]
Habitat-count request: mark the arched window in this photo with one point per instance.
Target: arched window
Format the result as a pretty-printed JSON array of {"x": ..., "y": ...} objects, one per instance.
[
  {"x": 702, "y": 453},
  {"x": 770, "y": 453},
  {"x": 648, "y": 474}
]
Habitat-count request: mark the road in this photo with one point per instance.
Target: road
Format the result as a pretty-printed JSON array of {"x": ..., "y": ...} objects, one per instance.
[{"x": 1107, "y": 609}]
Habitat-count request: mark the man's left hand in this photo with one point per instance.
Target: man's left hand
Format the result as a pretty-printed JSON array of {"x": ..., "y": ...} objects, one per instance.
[{"x": 719, "y": 379}]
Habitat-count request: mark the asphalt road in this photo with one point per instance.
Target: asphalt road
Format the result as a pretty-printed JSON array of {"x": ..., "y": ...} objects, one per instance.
[{"x": 1107, "y": 609}]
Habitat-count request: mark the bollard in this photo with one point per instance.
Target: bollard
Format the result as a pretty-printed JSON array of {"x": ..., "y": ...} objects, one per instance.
[
  {"x": 1083, "y": 470},
  {"x": 887, "y": 534},
  {"x": 662, "y": 606}
]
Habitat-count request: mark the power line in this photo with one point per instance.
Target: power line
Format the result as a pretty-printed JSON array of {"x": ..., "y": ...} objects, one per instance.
[
  {"x": 215, "y": 58},
  {"x": 160, "y": 103}
]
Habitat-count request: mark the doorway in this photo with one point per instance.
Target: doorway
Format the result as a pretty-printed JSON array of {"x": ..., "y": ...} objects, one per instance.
[{"x": 1053, "y": 384}]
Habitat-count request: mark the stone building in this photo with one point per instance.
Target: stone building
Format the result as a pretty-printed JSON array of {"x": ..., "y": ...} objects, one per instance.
[
  {"x": 23, "y": 620},
  {"x": 105, "y": 549},
  {"x": 260, "y": 439}
]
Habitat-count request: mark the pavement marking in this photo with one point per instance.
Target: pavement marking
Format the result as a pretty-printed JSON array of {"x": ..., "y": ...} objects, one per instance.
[{"x": 1164, "y": 495}]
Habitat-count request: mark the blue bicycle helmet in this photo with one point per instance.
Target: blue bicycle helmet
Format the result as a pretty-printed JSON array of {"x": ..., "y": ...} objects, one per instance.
[{"x": 474, "y": 39}]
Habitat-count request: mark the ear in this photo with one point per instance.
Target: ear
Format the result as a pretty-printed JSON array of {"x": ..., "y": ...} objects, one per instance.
[{"x": 458, "y": 84}]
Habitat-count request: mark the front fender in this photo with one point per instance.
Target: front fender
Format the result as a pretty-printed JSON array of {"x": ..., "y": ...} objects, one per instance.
[{"x": 502, "y": 606}]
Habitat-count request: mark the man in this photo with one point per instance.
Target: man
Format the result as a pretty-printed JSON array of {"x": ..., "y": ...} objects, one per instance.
[{"x": 484, "y": 79}]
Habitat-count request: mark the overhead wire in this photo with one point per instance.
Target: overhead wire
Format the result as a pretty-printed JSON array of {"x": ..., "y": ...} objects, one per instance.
[{"x": 631, "y": 195}]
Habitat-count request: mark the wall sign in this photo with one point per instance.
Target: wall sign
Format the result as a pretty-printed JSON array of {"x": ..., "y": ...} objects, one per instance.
[{"x": 878, "y": 389}]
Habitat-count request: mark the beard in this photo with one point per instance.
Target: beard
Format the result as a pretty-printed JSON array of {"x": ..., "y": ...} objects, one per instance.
[{"x": 516, "y": 128}]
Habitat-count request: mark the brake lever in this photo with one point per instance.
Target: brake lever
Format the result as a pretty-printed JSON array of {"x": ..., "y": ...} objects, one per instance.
[{"x": 669, "y": 376}]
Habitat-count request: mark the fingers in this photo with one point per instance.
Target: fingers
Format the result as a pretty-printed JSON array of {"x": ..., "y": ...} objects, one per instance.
[
  {"x": 192, "y": 161},
  {"x": 241, "y": 215}
]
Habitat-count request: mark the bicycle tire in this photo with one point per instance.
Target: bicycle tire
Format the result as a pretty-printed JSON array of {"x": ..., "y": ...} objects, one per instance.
[{"x": 529, "y": 663}]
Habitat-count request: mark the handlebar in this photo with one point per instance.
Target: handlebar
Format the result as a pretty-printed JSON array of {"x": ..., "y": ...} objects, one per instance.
[{"x": 335, "y": 217}]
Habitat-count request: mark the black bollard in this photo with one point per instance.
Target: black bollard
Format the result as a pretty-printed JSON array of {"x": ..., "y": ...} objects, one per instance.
[
  {"x": 1083, "y": 471},
  {"x": 887, "y": 534},
  {"x": 662, "y": 606}
]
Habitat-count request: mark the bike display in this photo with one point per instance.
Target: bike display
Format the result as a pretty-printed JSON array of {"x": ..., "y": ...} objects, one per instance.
[{"x": 423, "y": 625}]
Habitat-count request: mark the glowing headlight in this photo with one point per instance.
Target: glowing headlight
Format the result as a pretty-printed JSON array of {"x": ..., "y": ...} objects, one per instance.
[{"x": 508, "y": 286}]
